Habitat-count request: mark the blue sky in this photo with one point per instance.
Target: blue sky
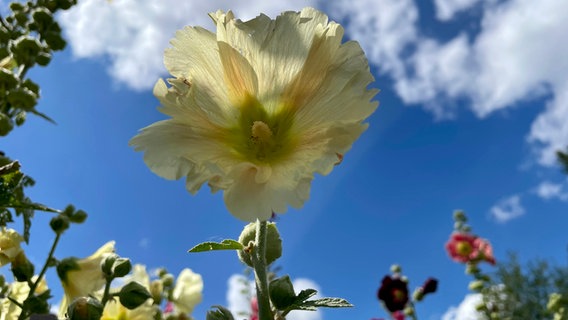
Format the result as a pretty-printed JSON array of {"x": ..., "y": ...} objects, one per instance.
[{"x": 473, "y": 103}]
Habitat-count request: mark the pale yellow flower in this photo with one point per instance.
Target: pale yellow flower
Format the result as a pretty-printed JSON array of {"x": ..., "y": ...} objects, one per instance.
[
  {"x": 187, "y": 292},
  {"x": 19, "y": 291},
  {"x": 114, "y": 310},
  {"x": 10, "y": 241},
  {"x": 259, "y": 107},
  {"x": 85, "y": 278}
]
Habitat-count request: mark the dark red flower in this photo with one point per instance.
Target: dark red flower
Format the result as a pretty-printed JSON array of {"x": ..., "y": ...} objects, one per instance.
[
  {"x": 430, "y": 286},
  {"x": 393, "y": 293}
]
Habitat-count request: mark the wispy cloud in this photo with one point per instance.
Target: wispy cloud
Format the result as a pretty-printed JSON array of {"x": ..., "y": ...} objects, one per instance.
[
  {"x": 466, "y": 310},
  {"x": 549, "y": 190},
  {"x": 508, "y": 209},
  {"x": 132, "y": 34}
]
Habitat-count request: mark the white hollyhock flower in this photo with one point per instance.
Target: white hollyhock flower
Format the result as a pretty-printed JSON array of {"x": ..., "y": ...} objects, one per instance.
[
  {"x": 10, "y": 241},
  {"x": 187, "y": 291},
  {"x": 84, "y": 277},
  {"x": 19, "y": 292},
  {"x": 259, "y": 107}
]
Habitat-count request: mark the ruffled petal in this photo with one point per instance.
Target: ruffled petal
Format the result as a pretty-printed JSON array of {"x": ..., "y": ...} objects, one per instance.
[
  {"x": 194, "y": 56},
  {"x": 342, "y": 95},
  {"x": 249, "y": 200}
]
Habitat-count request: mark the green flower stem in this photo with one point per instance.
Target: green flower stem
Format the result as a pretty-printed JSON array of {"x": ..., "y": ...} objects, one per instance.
[
  {"x": 260, "y": 275},
  {"x": 106, "y": 294},
  {"x": 33, "y": 287}
]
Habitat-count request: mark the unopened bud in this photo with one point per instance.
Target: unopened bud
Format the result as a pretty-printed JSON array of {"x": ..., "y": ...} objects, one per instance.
[
  {"x": 133, "y": 295},
  {"x": 273, "y": 243},
  {"x": 395, "y": 268},
  {"x": 156, "y": 290},
  {"x": 108, "y": 263},
  {"x": 281, "y": 292},
  {"x": 59, "y": 223},
  {"x": 22, "y": 268},
  {"x": 85, "y": 308},
  {"x": 121, "y": 267},
  {"x": 476, "y": 285}
]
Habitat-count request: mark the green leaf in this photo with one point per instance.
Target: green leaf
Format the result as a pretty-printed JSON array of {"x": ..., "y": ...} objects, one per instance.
[
  {"x": 306, "y": 294},
  {"x": 227, "y": 244},
  {"x": 328, "y": 303},
  {"x": 220, "y": 314}
]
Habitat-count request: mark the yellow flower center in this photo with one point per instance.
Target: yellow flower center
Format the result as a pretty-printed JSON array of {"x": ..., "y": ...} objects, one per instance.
[
  {"x": 261, "y": 137},
  {"x": 463, "y": 248}
]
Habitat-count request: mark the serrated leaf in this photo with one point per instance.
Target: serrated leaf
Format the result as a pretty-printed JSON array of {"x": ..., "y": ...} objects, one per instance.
[
  {"x": 305, "y": 295},
  {"x": 328, "y": 303},
  {"x": 227, "y": 244}
]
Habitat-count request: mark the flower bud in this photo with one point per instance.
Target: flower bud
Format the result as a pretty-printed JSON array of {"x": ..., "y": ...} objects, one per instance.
[
  {"x": 273, "y": 243},
  {"x": 459, "y": 215},
  {"x": 133, "y": 295},
  {"x": 22, "y": 268},
  {"x": 168, "y": 280},
  {"x": 476, "y": 285},
  {"x": 430, "y": 285},
  {"x": 59, "y": 224},
  {"x": 78, "y": 217},
  {"x": 108, "y": 263},
  {"x": 156, "y": 290},
  {"x": 282, "y": 292},
  {"x": 121, "y": 267},
  {"x": 85, "y": 308},
  {"x": 395, "y": 268}
]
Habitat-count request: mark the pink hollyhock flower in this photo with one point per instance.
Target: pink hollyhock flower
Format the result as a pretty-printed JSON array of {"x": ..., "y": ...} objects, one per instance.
[
  {"x": 484, "y": 250},
  {"x": 460, "y": 247},
  {"x": 169, "y": 308},
  {"x": 399, "y": 315},
  {"x": 464, "y": 247},
  {"x": 254, "y": 308}
]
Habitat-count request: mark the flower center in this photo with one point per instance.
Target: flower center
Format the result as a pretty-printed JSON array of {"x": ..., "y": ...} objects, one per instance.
[
  {"x": 464, "y": 248},
  {"x": 398, "y": 295},
  {"x": 262, "y": 137},
  {"x": 260, "y": 132}
]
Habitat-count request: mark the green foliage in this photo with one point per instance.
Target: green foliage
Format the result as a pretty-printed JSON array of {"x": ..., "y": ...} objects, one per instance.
[
  {"x": 522, "y": 292},
  {"x": 284, "y": 298},
  {"x": 220, "y": 313},
  {"x": 28, "y": 36},
  {"x": 227, "y": 244}
]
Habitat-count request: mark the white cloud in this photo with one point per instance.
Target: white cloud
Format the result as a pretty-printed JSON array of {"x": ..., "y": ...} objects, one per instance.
[
  {"x": 466, "y": 309},
  {"x": 241, "y": 289},
  {"x": 447, "y": 9},
  {"x": 384, "y": 28},
  {"x": 239, "y": 293},
  {"x": 508, "y": 209},
  {"x": 549, "y": 190},
  {"x": 132, "y": 34},
  {"x": 507, "y": 62}
]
